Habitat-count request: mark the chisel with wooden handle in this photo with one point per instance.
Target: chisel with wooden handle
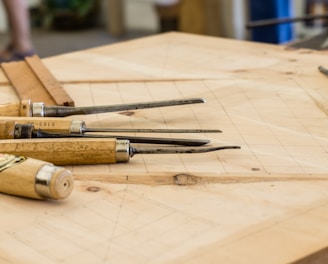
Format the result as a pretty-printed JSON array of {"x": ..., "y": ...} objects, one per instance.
[
  {"x": 27, "y": 108},
  {"x": 13, "y": 130},
  {"x": 68, "y": 126},
  {"x": 76, "y": 151},
  {"x": 33, "y": 178}
]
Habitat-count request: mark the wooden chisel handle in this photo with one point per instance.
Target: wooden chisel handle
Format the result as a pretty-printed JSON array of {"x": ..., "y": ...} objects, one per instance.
[
  {"x": 70, "y": 151},
  {"x": 7, "y": 129},
  {"x": 33, "y": 178},
  {"x": 16, "y": 109},
  {"x": 53, "y": 124},
  {"x": 10, "y": 130}
]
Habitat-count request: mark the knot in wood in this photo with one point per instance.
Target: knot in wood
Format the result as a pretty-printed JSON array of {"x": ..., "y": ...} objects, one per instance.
[{"x": 185, "y": 179}]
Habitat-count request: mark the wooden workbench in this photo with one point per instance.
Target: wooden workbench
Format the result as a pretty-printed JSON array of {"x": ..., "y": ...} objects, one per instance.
[{"x": 264, "y": 203}]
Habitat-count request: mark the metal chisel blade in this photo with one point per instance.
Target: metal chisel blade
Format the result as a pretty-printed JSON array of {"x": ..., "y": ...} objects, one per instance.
[
  {"x": 132, "y": 139},
  {"x": 151, "y": 130},
  {"x": 62, "y": 111},
  {"x": 178, "y": 150}
]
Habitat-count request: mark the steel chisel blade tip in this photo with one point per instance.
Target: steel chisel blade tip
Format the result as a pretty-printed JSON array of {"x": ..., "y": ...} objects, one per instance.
[
  {"x": 180, "y": 150},
  {"x": 184, "y": 101},
  {"x": 199, "y": 100}
]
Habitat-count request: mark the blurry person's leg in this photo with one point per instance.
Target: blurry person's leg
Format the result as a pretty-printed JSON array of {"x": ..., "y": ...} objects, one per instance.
[{"x": 18, "y": 18}]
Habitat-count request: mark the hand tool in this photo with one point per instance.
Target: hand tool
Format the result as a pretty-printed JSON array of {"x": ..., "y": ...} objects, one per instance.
[
  {"x": 12, "y": 130},
  {"x": 33, "y": 178},
  {"x": 147, "y": 140},
  {"x": 77, "y": 151},
  {"x": 68, "y": 126},
  {"x": 27, "y": 108}
]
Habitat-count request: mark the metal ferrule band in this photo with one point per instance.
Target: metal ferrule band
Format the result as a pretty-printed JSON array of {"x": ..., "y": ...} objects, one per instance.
[
  {"x": 122, "y": 150},
  {"x": 38, "y": 109},
  {"x": 77, "y": 127},
  {"x": 43, "y": 179}
]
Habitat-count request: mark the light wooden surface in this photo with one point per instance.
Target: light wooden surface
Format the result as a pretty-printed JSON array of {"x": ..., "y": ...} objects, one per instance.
[{"x": 273, "y": 205}]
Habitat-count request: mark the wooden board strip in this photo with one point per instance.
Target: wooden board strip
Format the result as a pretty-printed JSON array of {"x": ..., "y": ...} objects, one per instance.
[
  {"x": 25, "y": 83},
  {"x": 183, "y": 178},
  {"x": 49, "y": 82},
  {"x": 32, "y": 80}
]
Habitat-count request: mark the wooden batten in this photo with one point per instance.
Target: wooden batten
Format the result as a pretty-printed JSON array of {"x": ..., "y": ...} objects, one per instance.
[{"x": 33, "y": 81}]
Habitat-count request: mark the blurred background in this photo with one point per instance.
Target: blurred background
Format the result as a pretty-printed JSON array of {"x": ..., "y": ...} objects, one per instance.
[{"x": 60, "y": 26}]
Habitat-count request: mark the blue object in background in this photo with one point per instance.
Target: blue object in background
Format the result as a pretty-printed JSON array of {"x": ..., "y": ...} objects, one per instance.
[{"x": 268, "y": 9}]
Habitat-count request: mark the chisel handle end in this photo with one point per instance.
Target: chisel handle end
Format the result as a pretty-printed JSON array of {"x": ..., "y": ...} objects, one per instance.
[
  {"x": 54, "y": 182},
  {"x": 33, "y": 178}
]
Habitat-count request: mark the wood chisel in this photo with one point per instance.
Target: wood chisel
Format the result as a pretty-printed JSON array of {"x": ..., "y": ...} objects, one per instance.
[
  {"x": 77, "y": 151},
  {"x": 27, "y": 108},
  {"x": 68, "y": 126},
  {"x": 12, "y": 130},
  {"x": 17, "y": 127},
  {"x": 33, "y": 178}
]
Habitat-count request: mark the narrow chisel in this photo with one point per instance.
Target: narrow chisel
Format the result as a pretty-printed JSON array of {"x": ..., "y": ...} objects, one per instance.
[
  {"x": 27, "y": 108},
  {"x": 21, "y": 127},
  {"x": 77, "y": 151},
  {"x": 68, "y": 126},
  {"x": 12, "y": 130}
]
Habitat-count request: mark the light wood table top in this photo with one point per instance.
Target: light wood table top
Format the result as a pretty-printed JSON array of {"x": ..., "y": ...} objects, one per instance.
[{"x": 264, "y": 203}]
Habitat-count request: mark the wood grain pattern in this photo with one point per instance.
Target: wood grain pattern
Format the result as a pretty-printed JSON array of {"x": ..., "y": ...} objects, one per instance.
[
  {"x": 7, "y": 129},
  {"x": 62, "y": 125},
  {"x": 11, "y": 109},
  {"x": 64, "y": 151},
  {"x": 264, "y": 98},
  {"x": 33, "y": 81},
  {"x": 54, "y": 88}
]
